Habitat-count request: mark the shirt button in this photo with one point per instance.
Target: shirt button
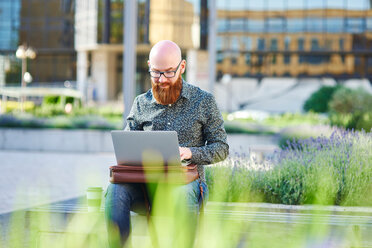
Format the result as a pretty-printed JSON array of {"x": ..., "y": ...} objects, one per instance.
[
  {"x": 168, "y": 123},
  {"x": 170, "y": 105}
]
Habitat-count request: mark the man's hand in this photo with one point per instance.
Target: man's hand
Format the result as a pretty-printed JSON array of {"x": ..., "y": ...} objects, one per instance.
[{"x": 185, "y": 153}]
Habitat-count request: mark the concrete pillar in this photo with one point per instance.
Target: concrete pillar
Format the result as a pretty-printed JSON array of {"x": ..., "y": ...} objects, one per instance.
[
  {"x": 82, "y": 73},
  {"x": 2, "y": 70},
  {"x": 197, "y": 68},
  {"x": 129, "y": 58},
  {"x": 103, "y": 75},
  {"x": 212, "y": 44}
]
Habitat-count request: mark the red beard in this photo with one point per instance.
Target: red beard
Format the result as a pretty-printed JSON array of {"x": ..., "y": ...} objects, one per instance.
[{"x": 168, "y": 95}]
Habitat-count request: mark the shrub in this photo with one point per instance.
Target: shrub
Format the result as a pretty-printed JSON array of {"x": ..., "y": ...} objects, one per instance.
[
  {"x": 50, "y": 100},
  {"x": 331, "y": 170},
  {"x": 318, "y": 101},
  {"x": 49, "y": 110},
  {"x": 290, "y": 119},
  {"x": 248, "y": 128},
  {"x": 351, "y": 109},
  {"x": 55, "y": 100},
  {"x": 79, "y": 122},
  {"x": 13, "y": 106},
  {"x": 291, "y": 135},
  {"x": 23, "y": 120}
]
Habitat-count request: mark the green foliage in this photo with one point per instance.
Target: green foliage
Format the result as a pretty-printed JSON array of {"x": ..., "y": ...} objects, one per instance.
[
  {"x": 48, "y": 110},
  {"x": 291, "y": 135},
  {"x": 51, "y": 100},
  {"x": 61, "y": 100},
  {"x": 327, "y": 171},
  {"x": 246, "y": 128},
  {"x": 13, "y": 106},
  {"x": 273, "y": 123},
  {"x": 294, "y": 119},
  {"x": 65, "y": 122},
  {"x": 351, "y": 109},
  {"x": 318, "y": 101}
]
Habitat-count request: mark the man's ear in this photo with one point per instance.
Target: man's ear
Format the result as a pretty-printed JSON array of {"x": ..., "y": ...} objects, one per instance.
[
  {"x": 148, "y": 63},
  {"x": 183, "y": 66}
]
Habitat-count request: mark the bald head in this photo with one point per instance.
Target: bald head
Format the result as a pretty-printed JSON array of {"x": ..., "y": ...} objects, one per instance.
[{"x": 165, "y": 54}]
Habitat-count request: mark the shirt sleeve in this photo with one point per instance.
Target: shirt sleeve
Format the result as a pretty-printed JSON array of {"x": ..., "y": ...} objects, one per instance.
[
  {"x": 216, "y": 148},
  {"x": 132, "y": 121}
]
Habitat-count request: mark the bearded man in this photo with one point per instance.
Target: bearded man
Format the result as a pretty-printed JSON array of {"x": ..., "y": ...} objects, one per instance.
[{"x": 171, "y": 104}]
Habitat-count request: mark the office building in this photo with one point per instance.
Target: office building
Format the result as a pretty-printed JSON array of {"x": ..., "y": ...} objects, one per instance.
[
  {"x": 46, "y": 26},
  {"x": 296, "y": 38}
]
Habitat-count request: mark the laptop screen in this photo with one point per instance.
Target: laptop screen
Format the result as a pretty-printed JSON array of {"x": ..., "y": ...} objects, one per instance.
[{"x": 139, "y": 148}]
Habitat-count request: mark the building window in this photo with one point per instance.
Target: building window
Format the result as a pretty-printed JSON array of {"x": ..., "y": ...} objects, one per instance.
[
  {"x": 248, "y": 58},
  {"x": 369, "y": 24},
  {"x": 234, "y": 45},
  {"x": 275, "y": 25},
  {"x": 295, "y": 25},
  {"x": 301, "y": 44},
  {"x": 219, "y": 46},
  {"x": 314, "y": 44},
  {"x": 315, "y": 24},
  {"x": 260, "y": 44},
  {"x": 355, "y": 25},
  {"x": 247, "y": 41},
  {"x": 256, "y": 26},
  {"x": 287, "y": 42},
  {"x": 341, "y": 43},
  {"x": 335, "y": 25},
  {"x": 273, "y": 61},
  {"x": 234, "y": 60},
  {"x": 301, "y": 47},
  {"x": 237, "y": 25},
  {"x": 328, "y": 45},
  {"x": 222, "y": 25},
  {"x": 260, "y": 60},
  {"x": 220, "y": 58},
  {"x": 287, "y": 59},
  {"x": 274, "y": 44}
]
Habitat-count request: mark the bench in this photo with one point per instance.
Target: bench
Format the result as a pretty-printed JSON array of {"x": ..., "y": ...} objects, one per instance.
[{"x": 71, "y": 218}]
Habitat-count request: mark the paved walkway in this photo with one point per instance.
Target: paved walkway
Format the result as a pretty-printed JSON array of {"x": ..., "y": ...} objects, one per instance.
[{"x": 31, "y": 178}]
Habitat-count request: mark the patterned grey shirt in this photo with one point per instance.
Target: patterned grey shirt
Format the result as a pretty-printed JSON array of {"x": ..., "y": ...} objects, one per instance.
[{"x": 194, "y": 116}]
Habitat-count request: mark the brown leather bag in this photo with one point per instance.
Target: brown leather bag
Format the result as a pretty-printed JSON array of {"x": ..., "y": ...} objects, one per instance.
[{"x": 153, "y": 174}]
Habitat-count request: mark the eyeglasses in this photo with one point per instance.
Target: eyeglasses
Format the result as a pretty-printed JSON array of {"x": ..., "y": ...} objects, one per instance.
[{"x": 167, "y": 74}]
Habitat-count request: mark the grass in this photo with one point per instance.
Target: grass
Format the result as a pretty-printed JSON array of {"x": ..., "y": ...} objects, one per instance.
[{"x": 272, "y": 124}]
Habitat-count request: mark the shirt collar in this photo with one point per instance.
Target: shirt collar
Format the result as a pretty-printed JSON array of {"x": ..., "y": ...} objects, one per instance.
[{"x": 185, "y": 91}]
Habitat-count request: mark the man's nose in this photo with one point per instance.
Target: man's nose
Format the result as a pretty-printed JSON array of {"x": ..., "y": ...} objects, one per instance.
[{"x": 162, "y": 78}]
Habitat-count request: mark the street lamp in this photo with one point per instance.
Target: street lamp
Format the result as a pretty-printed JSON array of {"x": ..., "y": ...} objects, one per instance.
[{"x": 24, "y": 52}]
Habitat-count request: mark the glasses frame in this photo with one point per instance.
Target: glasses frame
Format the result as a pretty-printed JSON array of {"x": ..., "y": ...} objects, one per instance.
[{"x": 162, "y": 72}]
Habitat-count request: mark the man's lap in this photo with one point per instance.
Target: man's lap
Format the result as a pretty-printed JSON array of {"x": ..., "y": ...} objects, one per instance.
[{"x": 132, "y": 196}]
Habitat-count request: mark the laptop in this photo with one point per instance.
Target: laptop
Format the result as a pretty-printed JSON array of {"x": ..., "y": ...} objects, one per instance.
[{"x": 146, "y": 147}]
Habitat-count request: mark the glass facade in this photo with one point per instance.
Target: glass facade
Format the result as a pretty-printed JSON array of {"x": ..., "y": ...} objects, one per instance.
[
  {"x": 101, "y": 21},
  {"x": 99, "y": 30},
  {"x": 295, "y": 37},
  {"x": 48, "y": 27},
  {"x": 9, "y": 24},
  {"x": 110, "y": 21}
]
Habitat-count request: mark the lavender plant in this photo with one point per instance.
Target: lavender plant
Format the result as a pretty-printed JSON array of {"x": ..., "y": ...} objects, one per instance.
[{"x": 324, "y": 170}]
